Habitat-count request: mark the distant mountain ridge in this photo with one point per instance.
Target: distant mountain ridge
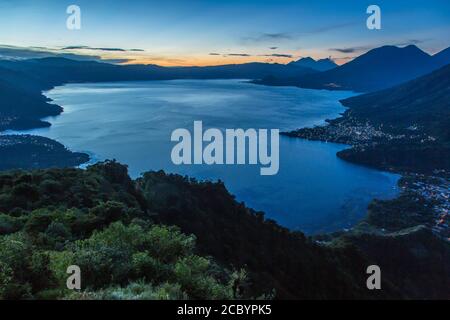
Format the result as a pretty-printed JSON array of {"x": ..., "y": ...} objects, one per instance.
[
  {"x": 21, "y": 82},
  {"x": 67, "y": 70},
  {"x": 319, "y": 65},
  {"x": 378, "y": 69},
  {"x": 252, "y": 70}
]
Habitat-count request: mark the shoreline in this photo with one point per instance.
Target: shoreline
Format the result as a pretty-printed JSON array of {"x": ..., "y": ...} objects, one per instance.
[
  {"x": 361, "y": 136},
  {"x": 362, "y": 207},
  {"x": 340, "y": 130},
  {"x": 46, "y": 152},
  {"x": 401, "y": 224},
  {"x": 324, "y": 120}
]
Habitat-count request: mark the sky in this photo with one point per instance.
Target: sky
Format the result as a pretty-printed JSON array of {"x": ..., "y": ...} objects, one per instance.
[{"x": 213, "y": 32}]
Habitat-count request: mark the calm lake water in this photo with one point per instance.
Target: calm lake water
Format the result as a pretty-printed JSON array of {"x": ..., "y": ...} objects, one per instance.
[{"x": 314, "y": 191}]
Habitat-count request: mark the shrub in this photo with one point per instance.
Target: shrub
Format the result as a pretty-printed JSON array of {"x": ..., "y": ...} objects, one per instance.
[{"x": 9, "y": 224}]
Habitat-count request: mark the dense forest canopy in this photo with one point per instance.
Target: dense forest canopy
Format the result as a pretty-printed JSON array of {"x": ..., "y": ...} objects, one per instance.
[{"x": 170, "y": 237}]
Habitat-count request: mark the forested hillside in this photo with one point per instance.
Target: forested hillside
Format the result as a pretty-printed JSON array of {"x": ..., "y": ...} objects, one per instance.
[
  {"x": 168, "y": 237},
  {"x": 422, "y": 104}
]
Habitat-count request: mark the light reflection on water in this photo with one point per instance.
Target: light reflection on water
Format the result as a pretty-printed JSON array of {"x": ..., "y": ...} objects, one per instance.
[{"x": 132, "y": 122}]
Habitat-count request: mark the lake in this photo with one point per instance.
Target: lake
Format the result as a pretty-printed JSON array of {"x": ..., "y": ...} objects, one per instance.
[{"x": 314, "y": 191}]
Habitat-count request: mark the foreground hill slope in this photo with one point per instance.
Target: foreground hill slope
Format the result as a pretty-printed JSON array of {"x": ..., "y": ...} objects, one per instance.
[{"x": 119, "y": 232}]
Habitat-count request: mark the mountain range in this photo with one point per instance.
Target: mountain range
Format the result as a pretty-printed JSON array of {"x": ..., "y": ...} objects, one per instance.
[
  {"x": 226, "y": 230},
  {"x": 318, "y": 65},
  {"x": 22, "y": 81},
  {"x": 379, "y": 68}
]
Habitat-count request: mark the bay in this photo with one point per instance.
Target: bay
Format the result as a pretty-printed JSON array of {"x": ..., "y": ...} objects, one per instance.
[{"x": 314, "y": 191}]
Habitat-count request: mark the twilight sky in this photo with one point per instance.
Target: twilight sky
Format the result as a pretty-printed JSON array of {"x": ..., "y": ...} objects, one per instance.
[{"x": 200, "y": 32}]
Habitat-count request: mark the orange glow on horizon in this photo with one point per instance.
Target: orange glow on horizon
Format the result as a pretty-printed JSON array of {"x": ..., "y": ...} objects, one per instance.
[
  {"x": 201, "y": 60},
  {"x": 197, "y": 59},
  {"x": 214, "y": 61},
  {"x": 205, "y": 61}
]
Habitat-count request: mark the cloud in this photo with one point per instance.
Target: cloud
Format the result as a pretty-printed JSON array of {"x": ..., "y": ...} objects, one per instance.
[
  {"x": 91, "y": 48},
  {"x": 20, "y": 53},
  {"x": 410, "y": 42},
  {"x": 273, "y": 48},
  {"x": 238, "y": 55},
  {"x": 116, "y": 61},
  {"x": 273, "y": 55},
  {"x": 268, "y": 37},
  {"x": 350, "y": 49},
  {"x": 99, "y": 49},
  {"x": 343, "y": 58},
  {"x": 12, "y": 52},
  {"x": 278, "y": 55},
  {"x": 366, "y": 48}
]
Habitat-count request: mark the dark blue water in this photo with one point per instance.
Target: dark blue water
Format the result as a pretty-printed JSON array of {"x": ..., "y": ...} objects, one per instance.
[{"x": 314, "y": 191}]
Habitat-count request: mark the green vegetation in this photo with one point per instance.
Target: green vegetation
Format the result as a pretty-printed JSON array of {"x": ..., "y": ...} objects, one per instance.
[
  {"x": 416, "y": 262},
  {"x": 169, "y": 237},
  {"x": 403, "y": 212},
  {"x": 96, "y": 220}
]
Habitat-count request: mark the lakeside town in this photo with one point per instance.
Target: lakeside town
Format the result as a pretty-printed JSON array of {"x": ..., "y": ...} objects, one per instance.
[
  {"x": 433, "y": 188},
  {"x": 436, "y": 191},
  {"x": 353, "y": 132}
]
